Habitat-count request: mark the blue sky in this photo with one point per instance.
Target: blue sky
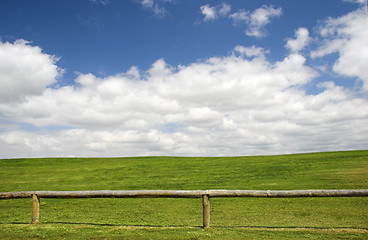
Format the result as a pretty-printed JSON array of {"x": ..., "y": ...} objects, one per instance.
[
  {"x": 172, "y": 77},
  {"x": 108, "y": 37}
]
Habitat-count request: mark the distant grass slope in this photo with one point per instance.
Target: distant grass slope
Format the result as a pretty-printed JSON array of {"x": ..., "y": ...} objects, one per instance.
[{"x": 181, "y": 218}]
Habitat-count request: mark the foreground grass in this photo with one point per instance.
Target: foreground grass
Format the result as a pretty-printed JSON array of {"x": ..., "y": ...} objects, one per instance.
[
  {"x": 60, "y": 231},
  {"x": 231, "y": 218}
]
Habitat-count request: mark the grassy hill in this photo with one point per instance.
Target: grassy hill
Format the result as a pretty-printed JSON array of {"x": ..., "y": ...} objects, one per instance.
[{"x": 231, "y": 218}]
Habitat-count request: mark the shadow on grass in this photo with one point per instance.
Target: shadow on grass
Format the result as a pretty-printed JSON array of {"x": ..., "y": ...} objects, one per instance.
[
  {"x": 301, "y": 228},
  {"x": 292, "y": 227},
  {"x": 124, "y": 225}
]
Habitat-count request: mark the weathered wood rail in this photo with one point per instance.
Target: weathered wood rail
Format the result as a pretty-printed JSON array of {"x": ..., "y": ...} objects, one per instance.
[{"x": 204, "y": 194}]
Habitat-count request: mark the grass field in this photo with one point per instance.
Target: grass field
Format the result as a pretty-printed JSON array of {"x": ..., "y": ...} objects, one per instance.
[{"x": 231, "y": 218}]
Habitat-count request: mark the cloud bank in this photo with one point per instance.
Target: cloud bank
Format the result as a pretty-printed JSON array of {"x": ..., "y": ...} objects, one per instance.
[{"x": 239, "y": 104}]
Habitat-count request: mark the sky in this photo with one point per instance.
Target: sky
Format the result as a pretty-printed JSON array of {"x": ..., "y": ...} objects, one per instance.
[{"x": 108, "y": 78}]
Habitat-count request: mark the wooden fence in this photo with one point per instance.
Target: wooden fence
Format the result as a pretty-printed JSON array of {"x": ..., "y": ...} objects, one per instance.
[{"x": 204, "y": 194}]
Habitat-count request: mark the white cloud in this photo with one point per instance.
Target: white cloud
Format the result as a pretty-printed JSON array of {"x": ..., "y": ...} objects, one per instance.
[
  {"x": 25, "y": 70},
  {"x": 155, "y": 6},
  {"x": 347, "y": 36},
  {"x": 147, "y": 3},
  {"x": 302, "y": 40},
  {"x": 362, "y": 2},
  {"x": 208, "y": 12},
  {"x": 102, "y": 2},
  {"x": 240, "y": 16},
  {"x": 224, "y": 9},
  {"x": 230, "y": 105},
  {"x": 251, "y": 51},
  {"x": 212, "y": 13},
  {"x": 261, "y": 16},
  {"x": 256, "y": 20}
]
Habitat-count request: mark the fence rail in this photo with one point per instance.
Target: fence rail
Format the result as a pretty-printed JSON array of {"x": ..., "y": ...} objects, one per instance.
[{"x": 204, "y": 194}]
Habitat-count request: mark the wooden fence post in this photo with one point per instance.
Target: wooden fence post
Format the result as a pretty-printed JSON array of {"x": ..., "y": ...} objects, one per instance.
[
  {"x": 206, "y": 210},
  {"x": 35, "y": 209}
]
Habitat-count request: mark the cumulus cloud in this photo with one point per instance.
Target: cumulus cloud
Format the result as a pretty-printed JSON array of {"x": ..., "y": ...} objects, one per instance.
[
  {"x": 347, "y": 36},
  {"x": 147, "y": 3},
  {"x": 208, "y": 12},
  {"x": 240, "y": 104},
  {"x": 362, "y": 2},
  {"x": 302, "y": 39},
  {"x": 211, "y": 13},
  {"x": 256, "y": 20},
  {"x": 101, "y": 2},
  {"x": 25, "y": 70},
  {"x": 251, "y": 51},
  {"x": 155, "y": 6},
  {"x": 224, "y": 9}
]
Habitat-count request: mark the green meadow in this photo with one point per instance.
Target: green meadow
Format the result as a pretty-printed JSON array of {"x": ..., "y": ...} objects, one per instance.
[{"x": 162, "y": 218}]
